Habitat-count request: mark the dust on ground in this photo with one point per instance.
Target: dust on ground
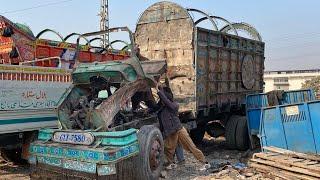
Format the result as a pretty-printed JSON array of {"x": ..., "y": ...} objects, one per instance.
[
  {"x": 10, "y": 171},
  {"x": 231, "y": 164}
]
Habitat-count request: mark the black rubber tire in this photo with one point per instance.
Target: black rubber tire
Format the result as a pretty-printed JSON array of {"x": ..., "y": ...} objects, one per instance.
[
  {"x": 146, "y": 136},
  {"x": 230, "y": 133},
  {"x": 242, "y": 136},
  {"x": 197, "y": 134}
]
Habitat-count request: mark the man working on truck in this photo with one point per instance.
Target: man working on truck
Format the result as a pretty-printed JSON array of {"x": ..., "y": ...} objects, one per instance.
[{"x": 172, "y": 130}]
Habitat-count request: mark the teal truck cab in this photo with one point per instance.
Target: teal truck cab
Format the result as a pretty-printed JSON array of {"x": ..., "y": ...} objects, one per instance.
[{"x": 105, "y": 132}]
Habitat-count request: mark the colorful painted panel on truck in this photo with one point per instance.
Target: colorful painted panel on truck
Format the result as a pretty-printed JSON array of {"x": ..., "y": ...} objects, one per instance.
[
  {"x": 28, "y": 96},
  {"x": 18, "y": 45}
]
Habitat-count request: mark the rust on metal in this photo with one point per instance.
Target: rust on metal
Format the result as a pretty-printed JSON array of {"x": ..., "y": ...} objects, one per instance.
[
  {"x": 247, "y": 28},
  {"x": 206, "y": 68},
  {"x": 110, "y": 107},
  {"x": 165, "y": 31}
]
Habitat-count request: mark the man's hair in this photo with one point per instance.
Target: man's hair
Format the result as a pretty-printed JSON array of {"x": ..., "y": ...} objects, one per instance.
[{"x": 168, "y": 93}]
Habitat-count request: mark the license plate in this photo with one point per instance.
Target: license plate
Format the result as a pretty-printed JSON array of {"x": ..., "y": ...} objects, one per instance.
[{"x": 81, "y": 138}]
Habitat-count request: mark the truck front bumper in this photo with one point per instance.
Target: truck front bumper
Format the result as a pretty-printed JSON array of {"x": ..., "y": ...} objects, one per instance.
[{"x": 97, "y": 159}]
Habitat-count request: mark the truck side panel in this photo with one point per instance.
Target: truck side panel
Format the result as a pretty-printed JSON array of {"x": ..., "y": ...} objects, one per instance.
[
  {"x": 206, "y": 69},
  {"x": 228, "y": 67},
  {"x": 27, "y": 120},
  {"x": 165, "y": 31},
  {"x": 28, "y": 96}
]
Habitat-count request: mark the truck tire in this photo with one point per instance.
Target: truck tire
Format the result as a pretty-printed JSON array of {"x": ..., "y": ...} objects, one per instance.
[
  {"x": 242, "y": 136},
  {"x": 230, "y": 133},
  {"x": 150, "y": 159},
  {"x": 197, "y": 134}
]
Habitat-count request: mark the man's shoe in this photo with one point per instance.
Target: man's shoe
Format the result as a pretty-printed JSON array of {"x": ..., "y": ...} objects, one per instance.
[
  {"x": 171, "y": 166},
  {"x": 181, "y": 162},
  {"x": 205, "y": 167}
]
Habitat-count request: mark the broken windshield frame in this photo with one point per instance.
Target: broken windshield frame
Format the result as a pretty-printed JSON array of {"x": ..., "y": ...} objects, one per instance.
[{"x": 130, "y": 46}]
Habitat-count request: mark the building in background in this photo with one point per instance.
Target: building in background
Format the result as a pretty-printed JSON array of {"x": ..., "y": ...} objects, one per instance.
[{"x": 287, "y": 80}]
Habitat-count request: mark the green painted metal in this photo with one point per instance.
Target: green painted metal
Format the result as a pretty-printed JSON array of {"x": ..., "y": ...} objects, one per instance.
[
  {"x": 116, "y": 133},
  {"x": 45, "y": 134},
  {"x": 108, "y": 148},
  {"x": 27, "y": 120},
  {"x": 115, "y": 71},
  {"x": 101, "y": 155},
  {"x": 104, "y": 170},
  {"x": 68, "y": 164},
  {"x": 118, "y": 138},
  {"x": 103, "y": 94}
]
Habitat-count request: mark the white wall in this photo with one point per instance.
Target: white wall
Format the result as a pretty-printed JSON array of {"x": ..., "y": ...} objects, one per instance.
[{"x": 295, "y": 80}]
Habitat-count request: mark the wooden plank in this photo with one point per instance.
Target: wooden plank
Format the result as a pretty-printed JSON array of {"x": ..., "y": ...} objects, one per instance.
[
  {"x": 272, "y": 154},
  {"x": 311, "y": 163},
  {"x": 279, "y": 173},
  {"x": 297, "y": 160},
  {"x": 292, "y": 153},
  {"x": 288, "y": 168},
  {"x": 288, "y": 162}
]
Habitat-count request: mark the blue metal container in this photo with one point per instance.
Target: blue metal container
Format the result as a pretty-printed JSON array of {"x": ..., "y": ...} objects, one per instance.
[
  {"x": 256, "y": 102},
  {"x": 294, "y": 127}
]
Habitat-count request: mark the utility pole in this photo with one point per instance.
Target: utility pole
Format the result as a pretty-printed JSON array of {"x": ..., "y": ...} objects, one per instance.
[{"x": 104, "y": 22}]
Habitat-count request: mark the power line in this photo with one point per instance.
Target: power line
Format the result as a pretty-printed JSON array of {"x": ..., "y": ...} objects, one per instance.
[{"x": 35, "y": 7}]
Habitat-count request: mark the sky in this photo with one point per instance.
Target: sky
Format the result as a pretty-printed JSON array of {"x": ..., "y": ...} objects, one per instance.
[{"x": 289, "y": 28}]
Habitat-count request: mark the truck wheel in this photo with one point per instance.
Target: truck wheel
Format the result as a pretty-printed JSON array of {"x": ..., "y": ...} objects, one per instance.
[
  {"x": 197, "y": 134},
  {"x": 150, "y": 159},
  {"x": 242, "y": 136},
  {"x": 230, "y": 134}
]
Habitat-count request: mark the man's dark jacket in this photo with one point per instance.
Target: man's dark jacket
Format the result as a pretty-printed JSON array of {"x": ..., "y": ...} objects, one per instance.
[{"x": 168, "y": 115}]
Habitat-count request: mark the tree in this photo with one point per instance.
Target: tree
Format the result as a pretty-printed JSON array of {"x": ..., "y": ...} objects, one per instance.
[{"x": 314, "y": 84}]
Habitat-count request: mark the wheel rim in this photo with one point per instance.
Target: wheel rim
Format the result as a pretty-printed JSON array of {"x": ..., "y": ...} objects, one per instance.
[{"x": 154, "y": 155}]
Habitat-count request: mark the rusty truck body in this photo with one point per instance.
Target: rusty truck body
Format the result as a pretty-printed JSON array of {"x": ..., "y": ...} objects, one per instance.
[
  {"x": 105, "y": 132},
  {"x": 210, "y": 71},
  {"x": 103, "y": 135}
]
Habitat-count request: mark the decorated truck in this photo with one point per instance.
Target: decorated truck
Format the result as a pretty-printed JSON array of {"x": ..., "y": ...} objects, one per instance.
[
  {"x": 34, "y": 73},
  {"x": 106, "y": 129},
  {"x": 210, "y": 70}
]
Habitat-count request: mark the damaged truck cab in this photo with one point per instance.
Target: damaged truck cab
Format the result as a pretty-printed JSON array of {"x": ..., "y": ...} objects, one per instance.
[{"x": 104, "y": 133}]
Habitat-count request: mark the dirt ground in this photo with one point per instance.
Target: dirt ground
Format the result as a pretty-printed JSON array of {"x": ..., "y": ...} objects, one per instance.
[{"x": 229, "y": 164}]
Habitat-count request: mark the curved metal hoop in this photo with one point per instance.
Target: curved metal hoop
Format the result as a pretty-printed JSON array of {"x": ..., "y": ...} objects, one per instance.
[
  {"x": 118, "y": 41},
  {"x": 94, "y": 39},
  {"x": 220, "y": 18},
  {"x": 75, "y": 34},
  {"x": 125, "y": 48},
  {"x": 110, "y": 45},
  {"x": 206, "y": 15},
  {"x": 49, "y": 30},
  {"x": 250, "y": 30}
]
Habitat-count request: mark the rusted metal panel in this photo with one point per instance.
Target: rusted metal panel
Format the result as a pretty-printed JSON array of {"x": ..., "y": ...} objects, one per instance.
[
  {"x": 228, "y": 67},
  {"x": 105, "y": 113},
  {"x": 165, "y": 31},
  {"x": 206, "y": 68}
]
